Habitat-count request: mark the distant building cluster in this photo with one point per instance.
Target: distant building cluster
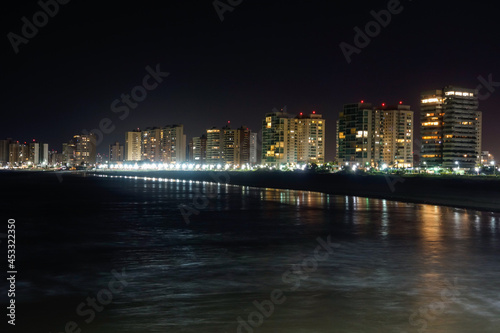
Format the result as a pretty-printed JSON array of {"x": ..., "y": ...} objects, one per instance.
[
  {"x": 168, "y": 145},
  {"x": 383, "y": 136},
  {"x": 368, "y": 136},
  {"x": 22, "y": 153}
]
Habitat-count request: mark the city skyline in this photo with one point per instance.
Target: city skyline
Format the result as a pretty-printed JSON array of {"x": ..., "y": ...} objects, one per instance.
[
  {"x": 366, "y": 136},
  {"x": 76, "y": 82},
  {"x": 417, "y": 142},
  {"x": 250, "y": 166},
  {"x": 104, "y": 136}
]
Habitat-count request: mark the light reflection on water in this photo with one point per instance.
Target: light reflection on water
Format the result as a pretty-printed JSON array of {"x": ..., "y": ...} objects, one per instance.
[{"x": 394, "y": 259}]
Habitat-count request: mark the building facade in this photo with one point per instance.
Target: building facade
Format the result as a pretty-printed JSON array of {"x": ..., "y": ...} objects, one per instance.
[
  {"x": 151, "y": 144},
  {"x": 451, "y": 128},
  {"x": 254, "y": 148},
  {"x": 393, "y": 140},
  {"x": 116, "y": 152},
  {"x": 310, "y": 138},
  {"x": 356, "y": 135},
  {"x": 173, "y": 144},
  {"x": 198, "y": 149},
  {"x": 278, "y": 139},
  {"x": 235, "y": 146},
  {"x": 214, "y": 146},
  {"x": 68, "y": 153},
  {"x": 369, "y": 136},
  {"x": 84, "y": 149},
  {"x": 291, "y": 140},
  {"x": 34, "y": 153},
  {"x": 4, "y": 151},
  {"x": 431, "y": 117},
  {"x": 44, "y": 154},
  {"x": 133, "y": 144},
  {"x": 38, "y": 153},
  {"x": 16, "y": 152}
]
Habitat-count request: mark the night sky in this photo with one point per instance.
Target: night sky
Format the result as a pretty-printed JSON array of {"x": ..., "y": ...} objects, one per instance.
[{"x": 264, "y": 55}]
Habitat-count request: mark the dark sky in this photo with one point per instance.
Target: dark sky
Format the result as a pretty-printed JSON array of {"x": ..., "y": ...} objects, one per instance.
[{"x": 264, "y": 54}]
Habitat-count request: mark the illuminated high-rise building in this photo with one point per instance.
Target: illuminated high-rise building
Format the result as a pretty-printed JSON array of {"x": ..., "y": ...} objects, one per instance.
[
  {"x": 173, "y": 144},
  {"x": 4, "y": 151},
  {"x": 243, "y": 145},
  {"x": 431, "y": 116},
  {"x": 370, "y": 136},
  {"x": 393, "y": 144},
  {"x": 310, "y": 138},
  {"x": 253, "y": 148},
  {"x": 84, "y": 149},
  {"x": 356, "y": 135},
  {"x": 116, "y": 152},
  {"x": 479, "y": 141},
  {"x": 68, "y": 153},
  {"x": 229, "y": 145},
  {"x": 278, "y": 139},
  {"x": 214, "y": 146},
  {"x": 24, "y": 154},
  {"x": 151, "y": 144},
  {"x": 291, "y": 140},
  {"x": 17, "y": 153},
  {"x": 38, "y": 153},
  {"x": 34, "y": 153},
  {"x": 198, "y": 149},
  {"x": 235, "y": 146},
  {"x": 44, "y": 154},
  {"x": 451, "y": 128},
  {"x": 133, "y": 144}
]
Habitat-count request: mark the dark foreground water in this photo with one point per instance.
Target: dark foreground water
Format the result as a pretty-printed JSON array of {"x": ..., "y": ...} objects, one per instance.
[{"x": 245, "y": 260}]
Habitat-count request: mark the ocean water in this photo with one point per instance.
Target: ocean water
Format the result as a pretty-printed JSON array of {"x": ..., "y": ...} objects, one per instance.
[{"x": 244, "y": 260}]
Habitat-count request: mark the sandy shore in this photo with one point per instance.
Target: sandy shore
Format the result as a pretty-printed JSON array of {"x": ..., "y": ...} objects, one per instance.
[{"x": 464, "y": 192}]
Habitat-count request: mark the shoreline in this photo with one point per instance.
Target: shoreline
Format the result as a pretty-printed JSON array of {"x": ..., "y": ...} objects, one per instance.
[{"x": 467, "y": 193}]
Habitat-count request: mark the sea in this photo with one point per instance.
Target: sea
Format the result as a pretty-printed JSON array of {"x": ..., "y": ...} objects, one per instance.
[{"x": 101, "y": 253}]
